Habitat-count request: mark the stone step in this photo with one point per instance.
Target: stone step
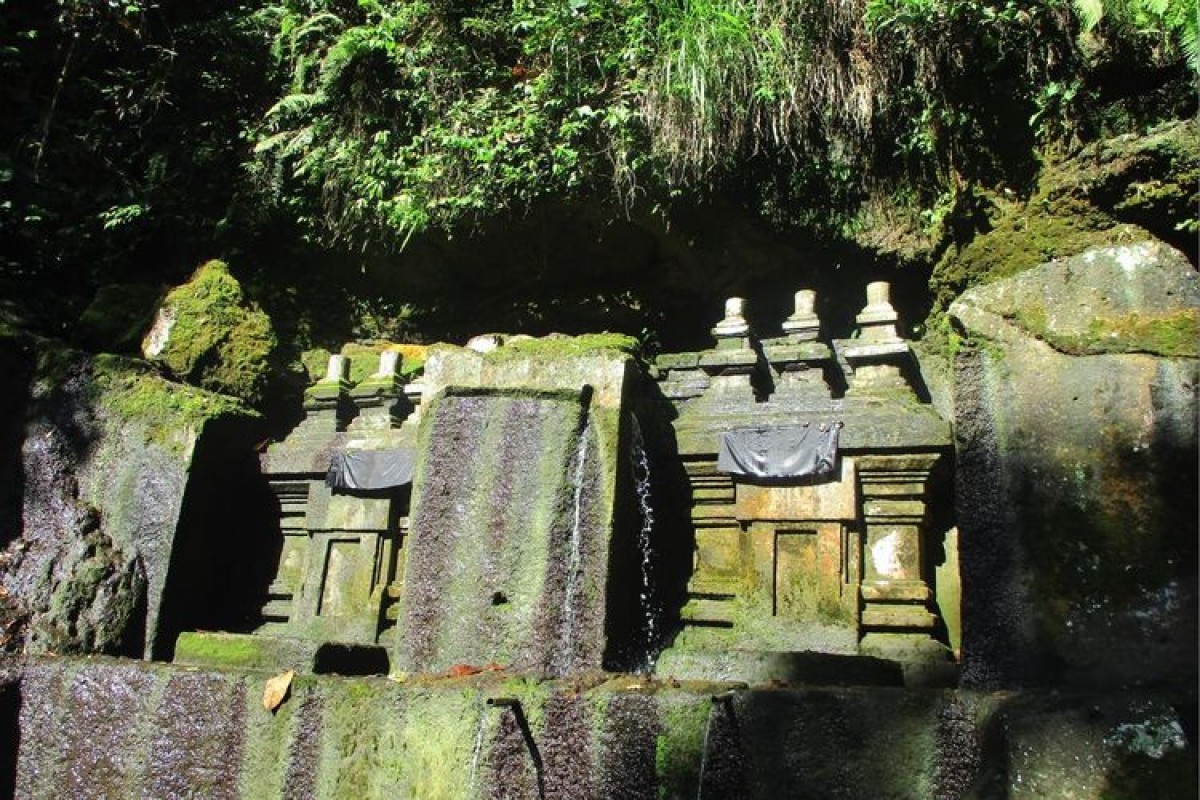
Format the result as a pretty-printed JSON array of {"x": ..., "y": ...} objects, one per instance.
[
  {"x": 707, "y": 611},
  {"x": 897, "y": 616},
  {"x": 277, "y": 609},
  {"x": 915, "y": 591},
  {"x": 709, "y": 588}
]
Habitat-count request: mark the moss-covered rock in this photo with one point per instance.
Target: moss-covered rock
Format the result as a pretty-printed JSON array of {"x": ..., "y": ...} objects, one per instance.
[
  {"x": 1141, "y": 297},
  {"x": 208, "y": 333},
  {"x": 1148, "y": 180},
  {"x": 95, "y": 595},
  {"x": 560, "y": 346},
  {"x": 128, "y": 390},
  {"x": 1114, "y": 192},
  {"x": 104, "y": 446}
]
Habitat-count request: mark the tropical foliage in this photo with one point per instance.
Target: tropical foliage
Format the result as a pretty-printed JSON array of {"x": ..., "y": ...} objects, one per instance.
[
  {"x": 143, "y": 132},
  {"x": 401, "y": 116}
]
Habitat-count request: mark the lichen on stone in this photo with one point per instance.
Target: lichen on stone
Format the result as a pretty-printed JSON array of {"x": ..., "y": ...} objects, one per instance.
[{"x": 1120, "y": 190}]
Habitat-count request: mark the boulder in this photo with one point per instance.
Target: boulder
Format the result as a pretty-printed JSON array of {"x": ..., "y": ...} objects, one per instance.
[
  {"x": 99, "y": 452},
  {"x": 1074, "y": 404},
  {"x": 1114, "y": 192},
  {"x": 207, "y": 333}
]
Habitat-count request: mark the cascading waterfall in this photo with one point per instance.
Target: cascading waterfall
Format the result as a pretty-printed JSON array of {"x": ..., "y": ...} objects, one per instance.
[
  {"x": 574, "y": 558},
  {"x": 648, "y": 596}
]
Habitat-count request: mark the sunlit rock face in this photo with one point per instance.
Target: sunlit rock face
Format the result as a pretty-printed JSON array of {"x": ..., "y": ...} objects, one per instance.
[{"x": 1075, "y": 409}]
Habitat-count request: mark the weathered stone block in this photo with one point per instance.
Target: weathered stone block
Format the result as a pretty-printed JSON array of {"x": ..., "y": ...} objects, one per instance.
[
  {"x": 1073, "y": 457},
  {"x": 833, "y": 499}
]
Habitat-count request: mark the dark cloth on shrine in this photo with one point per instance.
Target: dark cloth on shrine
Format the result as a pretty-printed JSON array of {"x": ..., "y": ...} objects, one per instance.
[
  {"x": 370, "y": 469},
  {"x": 799, "y": 451}
]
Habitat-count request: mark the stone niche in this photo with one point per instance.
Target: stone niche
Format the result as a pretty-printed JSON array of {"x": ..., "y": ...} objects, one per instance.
[
  {"x": 461, "y": 518},
  {"x": 828, "y": 568},
  {"x": 340, "y": 549}
]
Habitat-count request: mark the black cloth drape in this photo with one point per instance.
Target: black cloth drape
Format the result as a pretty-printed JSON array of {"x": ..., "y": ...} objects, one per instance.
[
  {"x": 370, "y": 469},
  {"x": 800, "y": 451}
]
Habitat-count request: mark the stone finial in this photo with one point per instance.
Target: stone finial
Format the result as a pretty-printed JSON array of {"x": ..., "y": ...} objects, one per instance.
[
  {"x": 877, "y": 322},
  {"x": 323, "y": 396},
  {"x": 338, "y": 369},
  {"x": 803, "y": 325},
  {"x": 389, "y": 362},
  {"x": 806, "y": 302},
  {"x": 734, "y": 323},
  {"x": 879, "y": 296}
]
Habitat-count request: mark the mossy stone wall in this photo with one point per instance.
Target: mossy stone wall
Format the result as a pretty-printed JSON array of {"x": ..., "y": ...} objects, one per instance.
[{"x": 103, "y": 728}]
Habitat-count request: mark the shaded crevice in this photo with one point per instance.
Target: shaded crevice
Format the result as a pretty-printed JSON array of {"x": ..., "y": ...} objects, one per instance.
[
  {"x": 228, "y": 527},
  {"x": 10, "y": 735},
  {"x": 722, "y": 764},
  {"x": 17, "y": 365}
]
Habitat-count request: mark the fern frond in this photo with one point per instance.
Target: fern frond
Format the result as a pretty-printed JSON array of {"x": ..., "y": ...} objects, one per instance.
[
  {"x": 1189, "y": 36},
  {"x": 273, "y": 141},
  {"x": 317, "y": 24},
  {"x": 298, "y": 103},
  {"x": 1090, "y": 12}
]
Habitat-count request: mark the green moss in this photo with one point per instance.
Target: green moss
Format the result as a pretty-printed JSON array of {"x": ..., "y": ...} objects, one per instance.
[
  {"x": 1149, "y": 180},
  {"x": 315, "y": 362},
  {"x": 128, "y": 390},
  {"x": 219, "y": 340},
  {"x": 231, "y": 652},
  {"x": 267, "y": 741},
  {"x": 1040, "y": 232},
  {"x": 1123, "y": 189},
  {"x": 558, "y": 346},
  {"x": 351, "y": 756},
  {"x": 1172, "y": 335},
  {"x": 364, "y": 360},
  {"x": 679, "y": 749},
  {"x": 440, "y": 730}
]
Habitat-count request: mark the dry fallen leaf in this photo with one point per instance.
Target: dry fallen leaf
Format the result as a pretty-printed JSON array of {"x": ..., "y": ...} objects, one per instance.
[
  {"x": 462, "y": 670},
  {"x": 276, "y": 690}
]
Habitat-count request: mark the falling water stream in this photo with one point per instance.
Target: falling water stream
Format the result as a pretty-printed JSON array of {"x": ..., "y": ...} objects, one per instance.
[
  {"x": 704, "y": 753},
  {"x": 477, "y": 750},
  {"x": 574, "y": 559},
  {"x": 647, "y": 594}
]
